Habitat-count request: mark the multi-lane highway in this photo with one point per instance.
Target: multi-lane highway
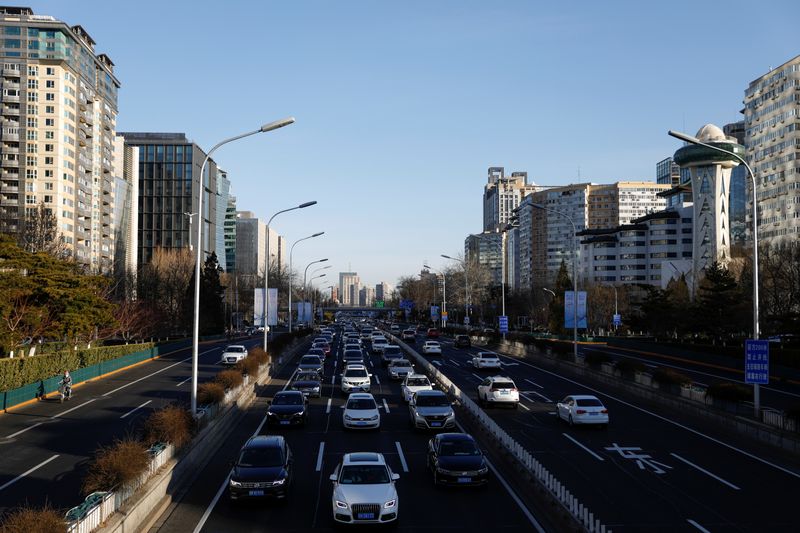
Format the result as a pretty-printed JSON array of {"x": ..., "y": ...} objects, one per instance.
[
  {"x": 649, "y": 470},
  {"x": 47, "y": 445},
  {"x": 317, "y": 449}
]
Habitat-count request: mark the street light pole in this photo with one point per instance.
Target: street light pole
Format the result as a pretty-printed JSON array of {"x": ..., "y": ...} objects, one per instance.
[
  {"x": 291, "y": 273},
  {"x": 304, "y": 281},
  {"x": 311, "y": 283},
  {"x": 694, "y": 140},
  {"x": 199, "y": 255},
  {"x": 574, "y": 276},
  {"x": 444, "y": 295},
  {"x": 266, "y": 268}
]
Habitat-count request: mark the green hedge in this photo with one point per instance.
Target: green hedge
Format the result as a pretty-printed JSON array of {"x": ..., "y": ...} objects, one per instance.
[{"x": 20, "y": 371}]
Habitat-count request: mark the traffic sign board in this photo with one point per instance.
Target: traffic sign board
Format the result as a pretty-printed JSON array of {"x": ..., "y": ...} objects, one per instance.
[
  {"x": 756, "y": 361},
  {"x": 617, "y": 320},
  {"x": 503, "y": 324},
  {"x": 466, "y": 321}
]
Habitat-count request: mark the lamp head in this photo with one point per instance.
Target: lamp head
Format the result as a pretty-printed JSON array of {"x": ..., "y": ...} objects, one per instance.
[
  {"x": 446, "y": 256},
  {"x": 277, "y": 124},
  {"x": 307, "y": 204},
  {"x": 426, "y": 266},
  {"x": 322, "y": 260},
  {"x": 682, "y": 136},
  {"x": 318, "y": 234}
]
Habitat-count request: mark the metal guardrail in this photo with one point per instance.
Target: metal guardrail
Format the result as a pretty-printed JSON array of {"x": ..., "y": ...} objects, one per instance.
[{"x": 535, "y": 469}]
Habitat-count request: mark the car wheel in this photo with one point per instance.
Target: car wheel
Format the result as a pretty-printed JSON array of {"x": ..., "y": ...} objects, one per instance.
[
  {"x": 570, "y": 422},
  {"x": 516, "y": 405}
]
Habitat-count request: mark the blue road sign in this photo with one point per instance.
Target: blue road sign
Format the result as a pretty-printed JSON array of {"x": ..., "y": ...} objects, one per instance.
[
  {"x": 617, "y": 320},
  {"x": 756, "y": 361},
  {"x": 503, "y": 324}
]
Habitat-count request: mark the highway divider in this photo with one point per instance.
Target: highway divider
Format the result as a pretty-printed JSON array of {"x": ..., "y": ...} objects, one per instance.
[
  {"x": 137, "y": 506},
  {"x": 579, "y": 513}
]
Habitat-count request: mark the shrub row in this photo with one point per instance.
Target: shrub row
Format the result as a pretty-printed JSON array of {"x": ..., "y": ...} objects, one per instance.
[
  {"x": 730, "y": 392},
  {"x": 20, "y": 371},
  {"x": 667, "y": 376},
  {"x": 596, "y": 359},
  {"x": 33, "y": 520}
]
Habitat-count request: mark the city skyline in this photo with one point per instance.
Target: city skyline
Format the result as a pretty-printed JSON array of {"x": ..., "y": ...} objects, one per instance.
[{"x": 424, "y": 117}]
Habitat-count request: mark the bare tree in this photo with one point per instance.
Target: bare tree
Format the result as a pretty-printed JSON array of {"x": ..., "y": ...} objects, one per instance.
[{"x": 40, "y": 233}]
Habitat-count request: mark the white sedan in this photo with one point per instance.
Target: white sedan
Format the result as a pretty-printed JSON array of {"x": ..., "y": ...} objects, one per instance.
[
  {"x": 432, "y": 347},
  {"x": 582, "y": 409},
  {"x": 363, "y": 490},
  {"x": 361, "y": 412},
  {"x": 486, "y": 360},
  {"x": 233, "y": 354}
]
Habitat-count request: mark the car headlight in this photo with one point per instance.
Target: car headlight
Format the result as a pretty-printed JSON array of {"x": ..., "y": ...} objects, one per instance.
[
  {"x": 279, "y": 481},
  {"x": 483, "y": 470},
  {"x": 341, "y": 505},
  {"x": 443, "y": 470},
  {"x": 389, "y": 504},
  {"x": 235, "y": 483},
  {"x": 347, "y": 417},
  {"x": 376, "y": 417}
]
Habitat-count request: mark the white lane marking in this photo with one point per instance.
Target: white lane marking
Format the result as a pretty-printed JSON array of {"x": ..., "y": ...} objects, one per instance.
[
  {"x": 542, "y": 396},
  {"x": 386, "y": 406},
  {"x": 526, "y": 397},
  {"x": 333, "y": 379},
  {"x": 532, "y": 519},
  {"x": 377, "y": 379},
  {"x": 328, "y": 408},
  {"x": 213, "y": 504},
  {"x": 402, "y": 457},
  {"x": 590, "y": 452},
  {"x": 319, "y": 456},
  {"x": 534, "y": 384},
  {"x": 524, "y": 406},
  {"x": 135, "y": 409},
  {"x": 21, "y": 431},
  {"x": 706, "y": 472},
  {"x": 436, "y": 362},
  {"x": 288, "y": 381},
  {"x": 184, "y": 381},
  {"x": 667, "y": 420},
  {"x": 159, "y": 371},
  {"x": 698, "y": 526},
  {"x": 480, "y": 378},
  {"x": 454, "y": 362},
  {"x": 22, "y": 475},
  {"x": 62, "y": 413}
]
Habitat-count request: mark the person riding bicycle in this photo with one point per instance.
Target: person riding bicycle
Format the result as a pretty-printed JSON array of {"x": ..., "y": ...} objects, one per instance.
[{"x": 65, "y": 386}]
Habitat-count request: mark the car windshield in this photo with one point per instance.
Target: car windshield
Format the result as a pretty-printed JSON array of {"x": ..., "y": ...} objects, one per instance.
[
  {"x": 361, "y": 404},
  {"x": 589, "y": 402},
  {"x": 287, "y": 399},
  {"x": 458, "y": 447},
  {"x": 352, "y": 354},
  {"x": 261, "y": 457},
  {"x": 236, "y": 349},
  {"x": 462, "y": 338},
  {"x": 364, "y": 475},
  {"x": 355, "y": 373},
  {"x": 400, "y": 363},
  {"x": 392, "y": 350},
  {"x": 432, "y": 401},
  {"x": 307, "y": 376},
  {"x": 310, "y": 360},
  {"x": 417, "y": 382},
  {"x": 502, "y": 385}
]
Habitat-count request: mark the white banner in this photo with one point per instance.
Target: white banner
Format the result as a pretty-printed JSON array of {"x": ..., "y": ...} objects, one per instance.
[{"x": 272, "y": 307}]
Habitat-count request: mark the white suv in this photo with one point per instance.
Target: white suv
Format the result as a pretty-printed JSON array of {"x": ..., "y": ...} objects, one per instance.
[
  {"x": 355, "y": 378},
  {"x": 379, "y": 343},
  {"x": 363, "y": 490},
  {"x": 414, "y": 383},
  {"x": 361, "y": 412},
  {"x": 432, "y": 347},
  {"x": 486, "y": 360},
  {"x": 498, "y": 390},
  {"x": 233, "y": 354}
]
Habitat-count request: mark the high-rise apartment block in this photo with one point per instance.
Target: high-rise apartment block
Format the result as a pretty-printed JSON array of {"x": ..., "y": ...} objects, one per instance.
[
  {"x": 502, "y": 195},
  {"x": 382, "y": 291},
  {"x": 349, "y": 288},
  {"x": 668, "y": 172},
  {"x": 59, "y": 109},
  {"x": 230, "y": 234},
  {"x": 126, "y": 208},
  {"x": 251, "y": 245},
  {"x": 771, "y": 110},
  {"x": 222, "y": 196}
]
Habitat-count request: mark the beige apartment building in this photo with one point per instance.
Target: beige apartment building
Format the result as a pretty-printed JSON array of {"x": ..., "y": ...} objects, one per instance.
[
  {"x": 59, "y": 107},
  {"x": 772, "y": 143}
]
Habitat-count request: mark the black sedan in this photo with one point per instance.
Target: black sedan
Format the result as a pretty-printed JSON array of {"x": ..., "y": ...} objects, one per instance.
[
  {"x": 462, "y": 341},
  {"x": 263, "y": 469},
  {"x": 455, "y": 459},
  {"x": 307, "y": 382},
  {"x": 288, "y": 408}
]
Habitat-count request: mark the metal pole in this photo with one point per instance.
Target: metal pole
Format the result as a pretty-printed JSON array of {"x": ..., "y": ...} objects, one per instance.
[
  {"x": 444, "y": 300},
  {"x": 503, "y": 275},
  {"x": 291, "y": 251},
  {"x": 616, "y": 309},
  {"x": 756, "y": 332}
]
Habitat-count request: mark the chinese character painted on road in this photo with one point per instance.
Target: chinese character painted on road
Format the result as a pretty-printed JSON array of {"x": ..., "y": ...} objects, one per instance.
[{"x": 642, "y": 460}]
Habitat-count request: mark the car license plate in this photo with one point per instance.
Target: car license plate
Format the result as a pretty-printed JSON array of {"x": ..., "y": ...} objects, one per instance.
[
  {"x": 256, "y": 493},
  {"x": 366, "y": 516},
  {"x": 465, "y": 480},
  {"x": 504, "y": 393},
  {"x": 284, "y": 422},
  {"x": 594, "y": 414},
  {"x": 435, "y": 424},
  {"x": 361, "y": 423}
]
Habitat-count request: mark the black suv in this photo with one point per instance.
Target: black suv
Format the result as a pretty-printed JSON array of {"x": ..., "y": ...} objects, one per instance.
[
  {"x": 288, "y": 408},
  {"x": 455, "y": 459},
  {"x": 462, "y": 341},
  {"x": 262, "y": 470}
]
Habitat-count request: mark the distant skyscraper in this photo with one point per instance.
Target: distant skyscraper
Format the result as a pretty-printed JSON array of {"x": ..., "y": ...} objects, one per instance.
[
  {"x": 502, "y": 195},
  {"x": 223, "y": 193},
  {"x": 349, "y": 287},
  {"x": 382, "y": 291},
  {"x": 739, "y": 188},
  {"x": 230, "y": 234},
  {"x": 668, "y": 172},
  {"x": 251, "y": 245},
  {"x": 59, "y": 112},
  {"x": 485, "y": 249},
  {"x": 771, "y": 108},
  {"x": 126, "y": 210}
]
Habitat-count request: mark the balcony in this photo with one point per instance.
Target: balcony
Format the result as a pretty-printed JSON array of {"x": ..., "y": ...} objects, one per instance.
[
  {"x": 9, "y": 98},
  {"x": 11, "y": 137},
  {"x": 10, "y": 174},
  {"x": 9, "y": 202},
  {"x": 10, "y": 149},
  {"x": 9, "y": 163},
  {"x": 9, "y": 188},
  {"x": 10, "y": 85},
  {"x": 11, "y": 73},
  {"x": 12, "y": 111}
]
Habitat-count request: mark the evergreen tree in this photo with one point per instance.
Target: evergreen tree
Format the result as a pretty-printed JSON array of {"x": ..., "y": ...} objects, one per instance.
[
  {"x": 212, "y": 305},
  {"x": 717, "y": 299},
  {"x": 563, "y": 283}
]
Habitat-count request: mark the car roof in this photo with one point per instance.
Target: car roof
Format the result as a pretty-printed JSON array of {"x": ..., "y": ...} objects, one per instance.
[
  {"x": 503, "y": 378},
  {"x": 416, "y": 376},
  {"x": 397, "y": 362},
  {"x": 455, "y": 437},
  {"x": 488, "y": 353},
  {"x": 361, "y": 396},
  {"x": 431, "y": 342},
  {"x": 584, "y": 397},
  {"x": 355, "y": 367},
  {"x": 310, "y": 355},
  {"x": 265, "y": 441},
  {"x": 287, "y": 393},
  {"x": 363, "y": 458},
  {"x": 430, "y": 393},
  {"x": 235, "y": 346}
]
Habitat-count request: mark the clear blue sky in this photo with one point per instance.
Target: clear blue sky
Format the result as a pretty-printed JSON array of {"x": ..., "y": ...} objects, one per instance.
[{"x": 402, "y": 106}]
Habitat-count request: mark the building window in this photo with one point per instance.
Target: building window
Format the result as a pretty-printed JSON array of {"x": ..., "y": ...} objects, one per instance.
[
  {"x": 50, "y": 71},
  {"x": 50, "y": 84},
  {"x": 48, "y": 160},
  {"x": 50, "y": 109}
]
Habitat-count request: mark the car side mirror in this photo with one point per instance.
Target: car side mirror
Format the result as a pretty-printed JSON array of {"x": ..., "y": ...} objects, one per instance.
[
  {"x": 269, "y": 402},
  {"x": 395, "y": 477},
  {"x": 369, "y": 375},
  {"x": 332, "y": 477}
]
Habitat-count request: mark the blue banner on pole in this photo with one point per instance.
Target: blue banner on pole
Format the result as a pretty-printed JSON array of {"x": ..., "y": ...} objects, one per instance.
[
  {"x": 503, "y": 324},
  {"x": 434, "y": 313},
  {"x": 756, "y": 361},
  {"x": 569, "y": 309}
]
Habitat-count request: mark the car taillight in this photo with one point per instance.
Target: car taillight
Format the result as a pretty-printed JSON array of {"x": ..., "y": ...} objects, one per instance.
[
  {"x": 604, "y": 411},
  {"x": 580, "y": 412},
  {"x": 514, "y": 389}
]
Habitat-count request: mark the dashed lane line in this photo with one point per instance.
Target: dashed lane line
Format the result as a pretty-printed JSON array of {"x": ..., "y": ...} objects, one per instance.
[
  {"x": 587, "y": 450},
  {"x": 319, "y": 456},
  {"x": 534, "y": 384},
  {"x": 134, "y": 410},
  {"x": 29, "y": 471},
  {"x": 706, "y": 472},
  {"x": 402, "y": 457},
  {"x": 54, "y": 417},
  {"x": 386, "y": 406},
  {"x": 698, "y": 526}
]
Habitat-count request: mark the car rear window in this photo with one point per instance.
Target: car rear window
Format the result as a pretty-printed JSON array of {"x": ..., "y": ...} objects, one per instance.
[
  {"x": 400, "y": 362},
  {"x": 589, "y": 402},
  {"x": 488, "y": 356},
  {"x": 310, "y": 360},
  {"x": 497, "y": 385}
]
